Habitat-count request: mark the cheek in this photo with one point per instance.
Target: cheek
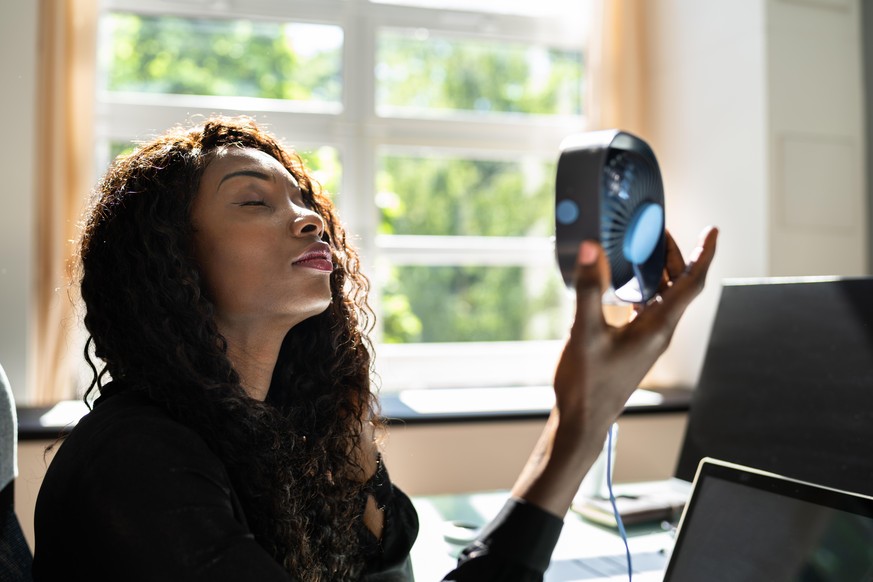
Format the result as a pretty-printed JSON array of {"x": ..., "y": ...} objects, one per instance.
[
  {"x": 241, "y": 273},
  {"x": 225, "y": 270}
]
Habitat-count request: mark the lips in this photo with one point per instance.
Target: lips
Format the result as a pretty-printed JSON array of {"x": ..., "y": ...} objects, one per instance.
[{"x": 317, "y": 257}]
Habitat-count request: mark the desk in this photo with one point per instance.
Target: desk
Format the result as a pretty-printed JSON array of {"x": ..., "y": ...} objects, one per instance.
[{"x": 433, "y": 557}]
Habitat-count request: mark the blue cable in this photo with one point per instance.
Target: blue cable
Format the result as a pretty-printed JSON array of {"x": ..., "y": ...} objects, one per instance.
[{"x": 618, "y": 521}]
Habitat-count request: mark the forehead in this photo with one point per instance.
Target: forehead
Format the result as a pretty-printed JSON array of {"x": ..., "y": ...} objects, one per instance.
[{"x": 231, "y": 159}]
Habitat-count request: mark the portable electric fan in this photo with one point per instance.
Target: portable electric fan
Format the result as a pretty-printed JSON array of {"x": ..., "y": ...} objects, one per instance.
[{"x": 609, "y": 189}]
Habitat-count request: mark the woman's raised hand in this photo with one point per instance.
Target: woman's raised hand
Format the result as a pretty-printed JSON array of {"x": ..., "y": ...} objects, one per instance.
[{"x": 602, "y": 365}]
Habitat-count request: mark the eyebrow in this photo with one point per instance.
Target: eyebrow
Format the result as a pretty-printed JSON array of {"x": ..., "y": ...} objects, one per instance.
[{"x": 251, "y": 173}]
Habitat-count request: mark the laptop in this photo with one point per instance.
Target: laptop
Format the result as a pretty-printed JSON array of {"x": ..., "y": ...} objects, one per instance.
[{"x": 745, "y": 524}]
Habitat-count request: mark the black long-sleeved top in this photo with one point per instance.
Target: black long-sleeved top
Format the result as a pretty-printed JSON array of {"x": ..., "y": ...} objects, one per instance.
[{"x": 135, "y": 495}]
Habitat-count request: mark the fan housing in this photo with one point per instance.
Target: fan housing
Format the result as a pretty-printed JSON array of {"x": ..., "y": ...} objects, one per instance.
[{"x": 609, "y": 189}]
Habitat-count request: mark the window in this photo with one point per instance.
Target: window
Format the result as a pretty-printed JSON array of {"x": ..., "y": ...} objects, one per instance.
[{"x": 434, "y": 125}]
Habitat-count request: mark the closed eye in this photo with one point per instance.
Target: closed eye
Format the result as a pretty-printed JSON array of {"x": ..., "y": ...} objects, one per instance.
[{"x": 252, "y": 203}]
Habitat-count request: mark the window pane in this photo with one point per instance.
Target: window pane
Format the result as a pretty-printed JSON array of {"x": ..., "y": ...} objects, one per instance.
[
  {"x": 119, "y": 148},
  {"x": 461, "y": 304},
  {"x": 324, "y": 165},
  {"x": 169, "y": 54},
  {"x": 423, "y": 74},
  {"x": 433, "y": 195}
]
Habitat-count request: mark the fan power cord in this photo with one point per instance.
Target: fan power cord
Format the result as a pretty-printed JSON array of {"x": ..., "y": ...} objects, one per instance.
[{"x": 618, "y": 522}]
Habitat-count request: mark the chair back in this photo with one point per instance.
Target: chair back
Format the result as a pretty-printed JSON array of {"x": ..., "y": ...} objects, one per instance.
[{"x": 16, "y": 559}]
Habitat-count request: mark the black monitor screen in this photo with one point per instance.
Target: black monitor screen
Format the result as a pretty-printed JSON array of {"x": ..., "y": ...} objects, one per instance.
[{"x": 787, "y": 383}]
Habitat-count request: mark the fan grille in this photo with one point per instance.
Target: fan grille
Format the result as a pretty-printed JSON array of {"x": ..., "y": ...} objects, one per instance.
[{"x": 629, "y": 180}]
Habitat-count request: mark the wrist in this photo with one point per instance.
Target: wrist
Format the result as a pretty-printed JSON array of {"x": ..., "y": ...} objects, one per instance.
[{"x": 577, "y": 443}]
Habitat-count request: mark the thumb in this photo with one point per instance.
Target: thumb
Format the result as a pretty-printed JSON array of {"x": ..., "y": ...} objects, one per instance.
[{"x": 591, "y": 280}]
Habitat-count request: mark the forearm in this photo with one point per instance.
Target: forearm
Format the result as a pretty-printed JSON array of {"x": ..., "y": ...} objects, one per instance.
[{"x": 555, "y": 468}]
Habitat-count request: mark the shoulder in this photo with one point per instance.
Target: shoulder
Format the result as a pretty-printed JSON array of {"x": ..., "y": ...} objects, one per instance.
[
  {"x": 128, "y": 426},
  {"x": 128, "y": 445}
]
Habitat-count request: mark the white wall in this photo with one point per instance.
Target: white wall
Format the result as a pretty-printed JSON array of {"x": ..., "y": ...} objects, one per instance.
[
  {"x": 707, "y": 77},
  {"x": 18, "y": 26},
  {"x": 816, "y": 136},
  {"x": 448, "y": 458},
  {"x": 756, "y": 110}
]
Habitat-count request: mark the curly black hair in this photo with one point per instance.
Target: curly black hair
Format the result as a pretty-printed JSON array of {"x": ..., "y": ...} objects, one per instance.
[{"x": 151, "y": 322}]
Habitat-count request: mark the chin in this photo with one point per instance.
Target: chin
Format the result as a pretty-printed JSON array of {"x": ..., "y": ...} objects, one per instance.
[
  {"x": 311, "y": 301},
  {"x": 311, "y": 310}
]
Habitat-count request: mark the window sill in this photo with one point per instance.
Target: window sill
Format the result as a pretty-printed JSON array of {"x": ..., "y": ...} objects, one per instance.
[
  {"x": 459, "y": 405},
  {"x": 433, "y": 406}
]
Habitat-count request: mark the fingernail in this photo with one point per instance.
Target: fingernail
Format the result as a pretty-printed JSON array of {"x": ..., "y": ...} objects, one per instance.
[{"x": 588, "y": 251}]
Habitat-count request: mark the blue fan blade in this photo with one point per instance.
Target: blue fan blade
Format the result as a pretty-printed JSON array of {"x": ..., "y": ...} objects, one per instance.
[{"x": 643, "y": 233}]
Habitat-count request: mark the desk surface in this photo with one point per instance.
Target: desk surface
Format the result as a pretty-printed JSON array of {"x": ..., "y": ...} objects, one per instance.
[{"x": 433, "y": 556}]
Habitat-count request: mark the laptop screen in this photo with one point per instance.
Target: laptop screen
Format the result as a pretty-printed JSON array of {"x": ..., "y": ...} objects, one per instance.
[
  {"x": 741, "y": 524},
  {"x": 787, "y": 383}
]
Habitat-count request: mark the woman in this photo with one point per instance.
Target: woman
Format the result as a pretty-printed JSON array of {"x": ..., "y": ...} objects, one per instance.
[{"x": 235, "y": 438}]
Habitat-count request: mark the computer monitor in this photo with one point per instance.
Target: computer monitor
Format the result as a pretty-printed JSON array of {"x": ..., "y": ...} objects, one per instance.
[{"x": 787, "y": 382}]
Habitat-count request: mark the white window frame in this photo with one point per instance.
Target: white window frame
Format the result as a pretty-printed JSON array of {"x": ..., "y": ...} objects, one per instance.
[{"x": 359, "y": 133}]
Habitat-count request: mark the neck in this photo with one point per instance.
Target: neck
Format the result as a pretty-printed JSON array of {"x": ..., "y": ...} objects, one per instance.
[{"x": 254, "y": 357}]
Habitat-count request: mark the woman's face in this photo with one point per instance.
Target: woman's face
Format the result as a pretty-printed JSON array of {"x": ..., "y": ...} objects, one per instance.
[{"x": 257, "y": 244}]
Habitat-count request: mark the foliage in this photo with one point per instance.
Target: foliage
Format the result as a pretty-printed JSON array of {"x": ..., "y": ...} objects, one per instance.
[
  {"x": 167, "y": 54},
  {"x": 436, "y": 195},
  {"x": 443, "y": 196},
  {"x": 326, "y": 168},
  {"x": 432, "y": 73},
  {"x": 469, "y": 303}
]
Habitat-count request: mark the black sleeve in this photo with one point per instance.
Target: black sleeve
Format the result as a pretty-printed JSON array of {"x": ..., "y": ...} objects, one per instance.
[{"x": 515, "y": 547}]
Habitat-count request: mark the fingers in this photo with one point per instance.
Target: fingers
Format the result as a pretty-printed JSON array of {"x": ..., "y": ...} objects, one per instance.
[
  {"x": 689, "y": 284},
  {"x": 592, "y": 280},
  {"x": 703, "y": 253},
  {"x": 654, "y": 323},
  {"x": 660, "y": 318}
]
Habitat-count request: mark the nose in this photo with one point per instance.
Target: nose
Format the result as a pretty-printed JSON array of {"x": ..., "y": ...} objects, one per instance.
[{"x": 307, "y": 223}]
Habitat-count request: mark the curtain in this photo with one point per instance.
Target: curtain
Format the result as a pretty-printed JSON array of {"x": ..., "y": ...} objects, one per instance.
[
  {"x": 616, "y": 63},
  {"x": 65, "y": 113}
]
